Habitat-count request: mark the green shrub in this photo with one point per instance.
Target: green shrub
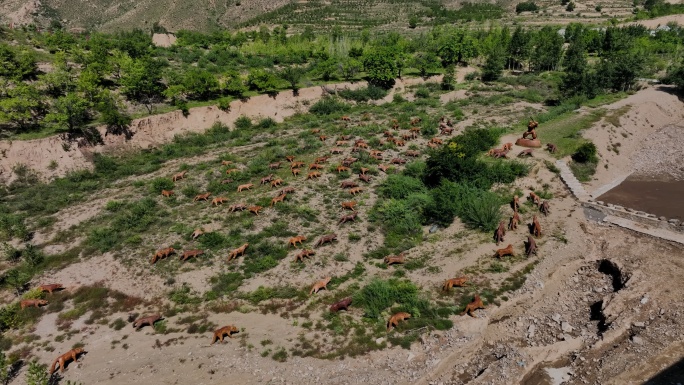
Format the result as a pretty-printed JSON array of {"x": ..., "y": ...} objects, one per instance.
[
  {"x": 12, "y": 226},
  {"x": 243, "y": 123},
  {"x": 364, "y": 94},
  {"x": 159, "y": 184},
  {"x": 226, "y": 283},
  {"x": 184, "y": 296},
  {"x": 586, "y": 153},
  {"x": 398, "y": 186},
  {"x": 397, "y": 217},
  {"x": 527, "y": 6},
  {"x": 483, "y": 213},
  {"x": 329, "y": 105},
  {"x": 422, "y": 92}
]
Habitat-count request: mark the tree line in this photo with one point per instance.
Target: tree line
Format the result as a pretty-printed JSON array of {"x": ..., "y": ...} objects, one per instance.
[{"x": 103, "y": 78}]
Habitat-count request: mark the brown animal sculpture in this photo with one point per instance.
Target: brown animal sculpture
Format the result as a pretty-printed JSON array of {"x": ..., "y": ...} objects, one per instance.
[
  {"x": 446, "y": 130},
  {"x": 348, "y": 184},
  {"x": 437, "y": 141},
  {"x": 231, "y": 170},
  {"x": 392, "y": 259},
  {"x": 274, "y": 166},
  {"x": 224, "y": 331},
  {"x": 341, "y": 305},
  {"x": 267, "y": 179},
  {"x": 32, "y": 303},
  {"x": 315, "y": 166},
  {"x": 551, "y": 148},
  {"x": 296, "y": 165},
  {"x": 306, "y": 253},
  {"x": 313, "y": 175},
  {"x": 336, "y": 150},
  {"x": 226, "y": 181},
  {"x": 348, "y": 205},
  {"x": 504, "y": 252},
  {"x": 202, "y": 197},
  {"x": 544, "y": 208},
  {"x": 527, "y": 152},
  {"x": 322, "y": 159},
  {"x": 290, "y": 158},
  {"x": 458, "y": 282},
  {"x": 287, "y": 190},
  {"x": 322, "y": 138},
  {"x": 516, "y": 203},
  {"x": 513, "y": 223},
  {"x": 532, "y": 124},
  {"x": 364, "y": 177},
  {"x": 412, "y": 153},
  {"x": 322, "y": 284},
  {"x": 246, "y": 186},
  {"x": 475, "y": 304},
  {"x": 531, "y": 134},
  {"x": 166, "y": 193},
  {"x": 500, "y": 232},
  {"x": 295, "y": 171},
  {"x": 163, "y": 253},
  {"x": 536, "y": 227},
  {"x": 226, "y": 162},
  {"x": 237, "y": 207},
  {"x": 534, "y": 198},
  {"x": 345, "y": 118},
  {"x": 501, "y": 154},
  {"x": 191, "y": 254},
  {"x": 179, "y": 176},
  {"x": 279, "y": 198},
  {"x": 383, "y": 168},
  {"x": 341, "y": 168},
  {"x": 326, "y": 239},
  {"x": 398, "y": 161},
  {"x": 294, "y": 240},
  {"x": 276, "y": 183},
  {"x": 395, "y": 319},
  {"x": 71, "y": 355},
  {"x": 149, "y": 320},
  {"x": 530, "y": 246},
  {"x": 347, "y": 218},
  {"x": 195, "y": 234},
  {"x": 50, "y": 288},
  {"x": 219, "y": 201},
  {"x": 507, "y": 146},
  {"x": 355, "y": 190},
  {"x": 240, "y": 251},
  {"x": 534, "y": 143},
  {"x": 364, "y": 170}
]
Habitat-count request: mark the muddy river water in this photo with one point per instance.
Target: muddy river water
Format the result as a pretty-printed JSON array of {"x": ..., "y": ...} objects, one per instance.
[{"x": 662, "y": 196}]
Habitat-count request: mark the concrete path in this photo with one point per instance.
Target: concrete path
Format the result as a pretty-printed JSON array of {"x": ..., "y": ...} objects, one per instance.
[
  {"x": 573, "y": 184},
  {"x": 644, "y": 229}
]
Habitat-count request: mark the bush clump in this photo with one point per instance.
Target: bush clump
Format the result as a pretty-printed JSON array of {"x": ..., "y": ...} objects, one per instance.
[{"x": 329, "y": 105}]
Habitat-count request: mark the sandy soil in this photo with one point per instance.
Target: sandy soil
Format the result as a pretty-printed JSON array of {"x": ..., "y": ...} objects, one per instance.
[
  {"x": 163, "y": 39},
  {"x": 575, "y": 317},
  {"x": 659, "y": 21}
]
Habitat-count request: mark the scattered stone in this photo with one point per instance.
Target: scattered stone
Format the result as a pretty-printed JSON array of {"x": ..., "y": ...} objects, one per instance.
[
  {"x": 433, "y": 229},
  {"x": 556, "y": 317},
  {"x": 530, "y": 331},
  {"x": 644, "y": 300},
  {"x": 637, "y": 340},
  {"x": 566, "y": 327},
  {"x": 662, "y": 218},
  {"x": 600, "y": 202},
  {"x": 674, "y": 221},
  {"x": 380, "y": 340},
  {"x": 639, "y": 324}
]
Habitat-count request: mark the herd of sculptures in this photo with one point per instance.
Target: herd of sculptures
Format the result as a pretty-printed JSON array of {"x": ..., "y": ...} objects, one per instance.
[{"x": 445, "y": 128}]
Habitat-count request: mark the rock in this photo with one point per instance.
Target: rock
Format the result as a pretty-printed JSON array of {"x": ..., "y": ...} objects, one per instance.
[
  {"x": 618, "y": 207},
  {"x": 530, "y": 331},
  {"x": 566, "y": 328},
  {"x": 644, "y": 300},
  {"x": 674, "y": 221},
  {"x": 556, "y": 317},
  {"x": 637, "y": 340},
  {"x": 575, "y": 279},
  {"x": 380, "y": 340},
  {"x": 639, "y": 324},
  {"x": 433, "y": 229},
  {"x": 662, "y": 218},
  {"x": 411, "y": 356},
  {"x": 600, "y": 202}
]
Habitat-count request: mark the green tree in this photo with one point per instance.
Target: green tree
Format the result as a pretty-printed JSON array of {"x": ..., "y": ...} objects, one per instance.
[
  {"x": 4, "y": 369},
  {"x": 494, "y": 65},
  {"x": 37, "y": 374},
  {"x": 141, "y": 81},
  {"x": 413, "y": 22},
  {"x": 113, "y": 115},
  {"x": 23, "y": 108},
  {"x": 519, "y": 48},
  {"x": 233, "y": 84},
  {"x": 89, "y": 84},
  {"x": 326, "y": 69},
  {"x": 200, "y": 84},
  {"x": 349, "y": 68},
  {"x": 70, "y": 112},
  {"x": 262, "y": 80},
  {"x": 449, "y": 79},
  {"x": 16, "y": 64},
  {"x": 381, "y": 67},
  {"x": 425, "y": 62},
  {"x": 548, "y": 49},
  {"x": 292, "y": 75},
  {"x": 576, "y": 80},
  {"x": 457, "y": 46}
]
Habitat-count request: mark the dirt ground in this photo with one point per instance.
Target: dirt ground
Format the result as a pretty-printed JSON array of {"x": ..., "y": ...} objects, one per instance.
[{"x": 594, "y": 310}]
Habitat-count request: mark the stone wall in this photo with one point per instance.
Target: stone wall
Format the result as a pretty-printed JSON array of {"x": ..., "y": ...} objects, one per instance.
[{"x": 641, "y": 217}]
